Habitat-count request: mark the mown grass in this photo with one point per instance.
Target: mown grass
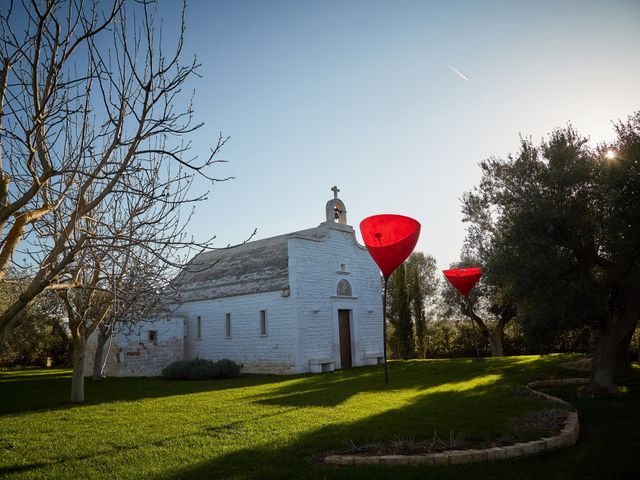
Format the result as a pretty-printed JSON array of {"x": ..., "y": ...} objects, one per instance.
[{"x": 258, "y": 427}]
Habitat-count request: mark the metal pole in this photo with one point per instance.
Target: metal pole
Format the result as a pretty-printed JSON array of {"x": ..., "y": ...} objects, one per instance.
[
  {"x": 384, "y": 331},
  {"x": 473, "y": 327}
]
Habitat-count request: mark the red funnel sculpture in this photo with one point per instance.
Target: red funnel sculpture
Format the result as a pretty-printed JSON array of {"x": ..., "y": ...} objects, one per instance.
[
  {"x": 390, "y": 239},
  {"x": 463, "y": 279}
]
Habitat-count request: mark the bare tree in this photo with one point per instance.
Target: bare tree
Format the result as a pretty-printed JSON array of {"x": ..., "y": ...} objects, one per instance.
[
  {"x": 138, "y": 300},
  {"x": 136, "y": 243},
  {"x": 89, "y": 98}
]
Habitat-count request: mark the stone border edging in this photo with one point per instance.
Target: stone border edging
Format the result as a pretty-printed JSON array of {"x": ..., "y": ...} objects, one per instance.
[{"x": 567, "y": 438}]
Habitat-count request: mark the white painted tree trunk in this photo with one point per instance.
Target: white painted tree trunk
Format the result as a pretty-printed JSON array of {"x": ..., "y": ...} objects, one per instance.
[{"x": 103, "y": 334}]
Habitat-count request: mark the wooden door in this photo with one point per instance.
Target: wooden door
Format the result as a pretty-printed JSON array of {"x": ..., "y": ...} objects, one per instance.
[{"x": 345, "y": 338}]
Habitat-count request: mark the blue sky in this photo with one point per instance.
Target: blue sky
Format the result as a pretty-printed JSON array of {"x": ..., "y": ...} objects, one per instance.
[{"x": 360, "y": 94}]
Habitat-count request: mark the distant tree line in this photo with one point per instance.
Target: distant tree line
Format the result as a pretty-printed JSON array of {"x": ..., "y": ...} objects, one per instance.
[{"x": 448, "y": 331}]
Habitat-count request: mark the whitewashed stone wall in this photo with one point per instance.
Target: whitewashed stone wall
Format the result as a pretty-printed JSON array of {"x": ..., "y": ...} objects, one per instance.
[
  {"x": 315, "y": 268},
  {"x": 302, "y": 321},
  {"x": 276, "y": 352},
  {"x": 131, "y": 353}
]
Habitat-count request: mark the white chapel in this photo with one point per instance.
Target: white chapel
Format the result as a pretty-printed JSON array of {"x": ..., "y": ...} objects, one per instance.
[{"x": 306, "y": 301}]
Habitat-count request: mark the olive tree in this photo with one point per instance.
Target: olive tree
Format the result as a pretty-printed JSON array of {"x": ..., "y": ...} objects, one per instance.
[{"x": 566, "y": 242}]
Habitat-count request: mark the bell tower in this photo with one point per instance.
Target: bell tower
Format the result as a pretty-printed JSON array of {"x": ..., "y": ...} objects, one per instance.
[{"x": 336, "y": 211}]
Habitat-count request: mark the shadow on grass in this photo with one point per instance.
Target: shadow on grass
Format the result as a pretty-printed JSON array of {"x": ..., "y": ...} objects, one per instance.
[
  {"x": 32, "y": 392},
  {"x": 107, "y": 452},
  {"x": 468, "y": 410},
  {"x": 20, "y": 375},
  {"x": 333, "y": 389},
  {"x": 607, "y": 447},
  {"x": 277, "y": 461}
]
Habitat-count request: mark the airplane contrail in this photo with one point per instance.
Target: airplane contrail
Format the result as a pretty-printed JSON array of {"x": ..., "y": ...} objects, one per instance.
[{"x": 460, "y": 74}]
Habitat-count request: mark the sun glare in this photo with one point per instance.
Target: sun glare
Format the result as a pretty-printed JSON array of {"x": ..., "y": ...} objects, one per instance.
[{"x": 610, "y": 154}]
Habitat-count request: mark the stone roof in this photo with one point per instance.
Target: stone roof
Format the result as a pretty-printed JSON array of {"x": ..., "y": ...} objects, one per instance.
[{"x": 253, "y": 267}]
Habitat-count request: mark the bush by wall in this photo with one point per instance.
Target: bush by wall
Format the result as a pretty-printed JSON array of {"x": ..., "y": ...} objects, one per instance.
[{"x": 201, "y": 369}]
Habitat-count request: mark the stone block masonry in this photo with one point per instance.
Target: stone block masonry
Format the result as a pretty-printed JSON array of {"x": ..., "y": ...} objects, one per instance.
[
  {"x": 316, "y": 269},
  {"x": 273, "y": 306},
  {"x": 137, "y": 352},
  {"x": 230, "y": 328}
]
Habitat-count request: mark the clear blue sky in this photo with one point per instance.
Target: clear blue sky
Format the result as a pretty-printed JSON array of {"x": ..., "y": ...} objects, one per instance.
[{"x": 360, "y": 94}]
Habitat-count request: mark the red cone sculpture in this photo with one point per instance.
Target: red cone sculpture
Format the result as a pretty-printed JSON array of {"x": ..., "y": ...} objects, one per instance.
[
  {"x": 463, "y": 279},
  {"x": 390, "y": 239}
]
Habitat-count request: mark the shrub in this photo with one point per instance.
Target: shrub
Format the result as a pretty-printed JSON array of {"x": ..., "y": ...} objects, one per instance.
[
  {"x": 228, "y": 368},
  {"x": 201, "y": 369}
]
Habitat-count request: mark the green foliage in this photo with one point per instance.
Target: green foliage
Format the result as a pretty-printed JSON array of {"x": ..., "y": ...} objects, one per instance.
[
  {"x": 34, "y": 342},
  {"x": 635, "y": 344},
  {"x": 409, "y": 288},
  {"x": 201, "y": 369},
  {"x": 561, "y": 224},
  {"x": 450, "y": 338},
  {"x": 419, "y": 314},
  {"x": 456, "y": 338},
  {"x": 422, "y": 284},
  {"x": 40, "y": 338},
  {"x": 423, "y": 269},
  {"x": 401, "y": 314}
]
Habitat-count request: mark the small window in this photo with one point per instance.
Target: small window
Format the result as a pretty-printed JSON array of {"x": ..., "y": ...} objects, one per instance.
[
  {"x": 343, "y": 267},
  {"x": 153, "y": 337},
  {"x": 199, "y": 328},
  {"x": 227, "y": 325},
  {"x": 263, "y": 323}
]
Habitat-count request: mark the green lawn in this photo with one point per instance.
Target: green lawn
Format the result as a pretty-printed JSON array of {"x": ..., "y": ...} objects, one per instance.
[{"x": 271, "y": 426}]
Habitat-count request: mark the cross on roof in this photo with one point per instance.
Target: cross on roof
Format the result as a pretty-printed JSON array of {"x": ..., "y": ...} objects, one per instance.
[{"x": 335, "y": 191}]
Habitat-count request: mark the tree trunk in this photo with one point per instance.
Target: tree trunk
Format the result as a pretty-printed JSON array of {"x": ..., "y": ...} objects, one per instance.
[
  {"x": 495, "y": 340},
  {"x": 6, "y": 328},
  {"x": 103, "y": 334},
  {"x": 603, "y": 367},
  {"x": 77, "y": 379},
  {"x": 476, "y": 320}
]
